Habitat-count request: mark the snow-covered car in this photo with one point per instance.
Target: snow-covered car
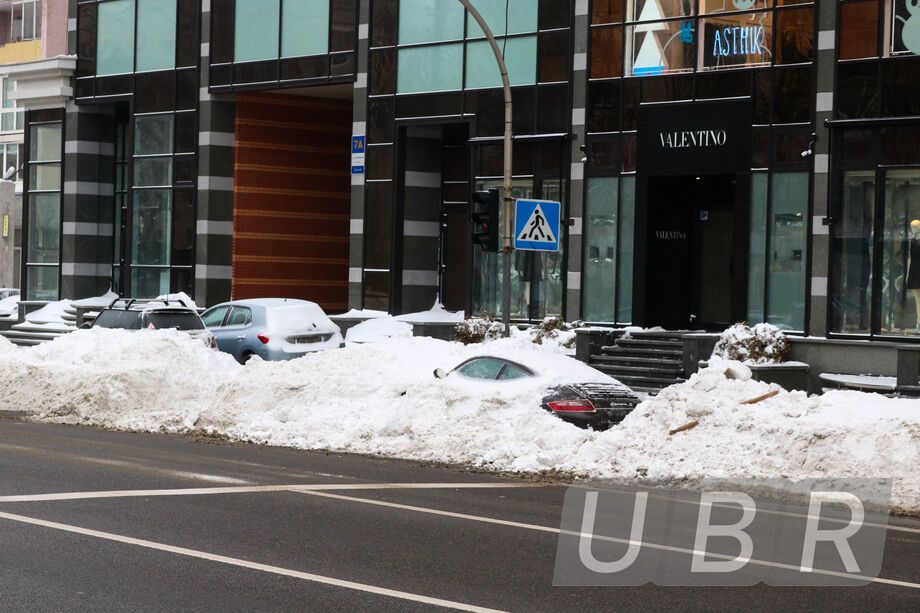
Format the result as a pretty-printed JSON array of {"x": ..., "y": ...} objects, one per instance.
[
  {"x": 6, "y": 292},
  {"x": 154, "y": 315},
  {"x": 9, "y": 302},
  {"x": 271, "y": 328},
  {"x": 596, "y": 405}
]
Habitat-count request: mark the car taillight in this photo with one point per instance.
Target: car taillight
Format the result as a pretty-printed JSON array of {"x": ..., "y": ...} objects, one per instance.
[
  {"x": 582, "y": 405},
  {"x": 263, "y": 338}
]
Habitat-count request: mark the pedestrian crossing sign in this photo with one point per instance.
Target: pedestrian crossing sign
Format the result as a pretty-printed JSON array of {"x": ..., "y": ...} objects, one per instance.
[{"x": 536, "y": 225}]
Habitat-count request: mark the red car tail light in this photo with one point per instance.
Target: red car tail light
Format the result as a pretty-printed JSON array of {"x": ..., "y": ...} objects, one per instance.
[
  {"x": 263, "y": 338},
  {"x": 581, "y": 405}
]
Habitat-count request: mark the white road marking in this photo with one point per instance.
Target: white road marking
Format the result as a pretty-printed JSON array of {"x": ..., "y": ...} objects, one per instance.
[
  {"x": 549, "y": 529},
  {"x": 202, "y": 555},
  {"x": 297, "y": 487}
]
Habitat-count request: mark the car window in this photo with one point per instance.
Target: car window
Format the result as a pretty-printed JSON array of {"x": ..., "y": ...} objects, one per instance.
[
  {"x": 175, "y": 319},
  {"x": 106, "y": 319},
  {"x": 512, "y": 372},
  {"x": 215, "y": 316},
  {"x": 482, "y": 368},
  {"x": 240, "y": 316}
]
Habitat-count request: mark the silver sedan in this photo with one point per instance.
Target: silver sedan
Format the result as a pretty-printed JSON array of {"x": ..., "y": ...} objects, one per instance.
[{"x": 271, "y": 328}]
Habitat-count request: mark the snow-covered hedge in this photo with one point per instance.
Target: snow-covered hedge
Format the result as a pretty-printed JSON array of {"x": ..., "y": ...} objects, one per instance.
[
  {"x": 758, "y": 344},
  {"x": 551, "y": 331}
]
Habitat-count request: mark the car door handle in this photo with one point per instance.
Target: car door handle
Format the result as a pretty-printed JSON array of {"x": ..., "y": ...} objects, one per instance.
[{"x": 241, "y": 337}]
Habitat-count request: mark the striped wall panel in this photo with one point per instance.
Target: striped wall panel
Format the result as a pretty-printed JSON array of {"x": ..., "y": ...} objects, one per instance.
[{"x": 291, "y": 198}]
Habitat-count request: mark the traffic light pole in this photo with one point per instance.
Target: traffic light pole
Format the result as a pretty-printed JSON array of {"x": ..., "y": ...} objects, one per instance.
[{"x": 507, "y": 245}]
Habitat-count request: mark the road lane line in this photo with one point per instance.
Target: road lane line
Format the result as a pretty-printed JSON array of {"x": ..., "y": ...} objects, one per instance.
[
  {"x": 550, "y": 529},
  {"x": 204, "y": 491},
  {"x": 276, "y": 570}
]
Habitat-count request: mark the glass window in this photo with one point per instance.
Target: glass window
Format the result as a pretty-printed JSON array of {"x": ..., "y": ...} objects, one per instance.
[
  {"x": 737, "y": 40},
  {"x": 859, "y": 30},
  {"x": 661, "y": 48},
  {"x": 901, "y": 253},
  {"x": 149, "y": 282},
  {"x": 626, "y": 248},
  {"x": 256, "y": 35},
  {"x": 45, "y": 142},
  {"x": 44, "y": 228},
  {"x": 43, "y": 282},
  {"x": 722, "y": 6},
  {"x": 240, "y": 316},
  {"x": 25, "y": 20},
  {"x": 214, "y": 317},
  {"x": 853, "y": 231},
  {"x": 151, "y": 224},
  {"x": 45, "y": 177},
  {"x": 795, "y": 35},
  {"x": 429, "y": 21},
  {"x": 153, "y": 134},
  {"x": 757, "y": 248},
  {"x": 305, "y": 28},
  {"x": 520, "y": 60},
  {"x": 600, "y": 230},
  {"x": 786, "y": 275},
  {"x": 482, "y": 368},
  {"x": 905, "y": 27},
  {"x": 522, "y": 17},
  {"x": 430, "y": 69},
  {"x": 653, "y": 10},
  {"x": 156, "y": 34},
  {"x": 510, "y": 371},
  {"x": 115, "y": 37},
  {"x": 178, "y": 320},
  {"x": 153, "y": 172}
]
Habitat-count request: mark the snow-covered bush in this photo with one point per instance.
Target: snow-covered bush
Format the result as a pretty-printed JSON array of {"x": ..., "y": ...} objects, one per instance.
[
  {"x": 556, "y": 329},
  {"x": 478, "y": 330},
  {"x": 759, "y": 344}
]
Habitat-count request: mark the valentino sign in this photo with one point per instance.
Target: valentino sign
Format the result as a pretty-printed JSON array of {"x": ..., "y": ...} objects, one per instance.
[{"x": 690, "y": 139}]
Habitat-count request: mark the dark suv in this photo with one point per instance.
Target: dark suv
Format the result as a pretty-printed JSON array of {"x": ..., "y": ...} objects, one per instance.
[{"x": 154, "y": 315}]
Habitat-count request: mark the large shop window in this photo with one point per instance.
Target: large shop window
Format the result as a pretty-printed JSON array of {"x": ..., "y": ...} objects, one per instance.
[
  {"x": 608, "y": 259},
  {"x": 434, "y": 38},
  {"x": 778, "y": 249},
  {"x": 657, "y": 37},
  {"x": 43, "y": 256},
  {"x": 905, "y": 27},
  {"x": 152, "y": 205},
  {"x": 119, "y": 51},
  {"x": 876, "y": 280},
  {"x": 269, "y": 29}
]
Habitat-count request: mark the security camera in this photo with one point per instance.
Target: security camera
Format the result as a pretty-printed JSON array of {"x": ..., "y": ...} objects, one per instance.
[
  {"x": 806, "y": 153},
  {"x": 10, "y": 173}
]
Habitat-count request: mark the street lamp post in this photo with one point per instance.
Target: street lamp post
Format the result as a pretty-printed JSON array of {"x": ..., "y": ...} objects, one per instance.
[{"x": 508, "y": 227}]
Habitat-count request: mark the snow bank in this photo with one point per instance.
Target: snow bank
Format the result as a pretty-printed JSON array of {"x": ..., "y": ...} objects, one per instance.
[
  {"x": 382, "y": 399},
  {"x": 377, "y": 330}
]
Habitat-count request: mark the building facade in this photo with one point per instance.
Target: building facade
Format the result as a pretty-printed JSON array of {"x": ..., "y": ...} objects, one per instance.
[
  {"x": 30, "y": 30},
  {"x": 716, "y": 160}
]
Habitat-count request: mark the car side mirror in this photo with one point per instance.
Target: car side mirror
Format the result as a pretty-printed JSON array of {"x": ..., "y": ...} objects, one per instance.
[{"x": 440, "y": 373}]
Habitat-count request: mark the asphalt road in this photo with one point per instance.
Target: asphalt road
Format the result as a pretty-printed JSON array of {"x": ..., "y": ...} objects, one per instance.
[{"x": 106, "y": 521}]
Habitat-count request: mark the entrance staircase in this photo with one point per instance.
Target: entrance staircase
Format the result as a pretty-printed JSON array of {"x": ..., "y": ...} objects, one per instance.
[
  {"x": 36, "y": 330},
  {"x": 647, "y": 361}
]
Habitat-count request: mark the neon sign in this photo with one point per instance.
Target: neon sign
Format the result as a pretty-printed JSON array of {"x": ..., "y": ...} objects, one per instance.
[{"x": 738, "y": 40}]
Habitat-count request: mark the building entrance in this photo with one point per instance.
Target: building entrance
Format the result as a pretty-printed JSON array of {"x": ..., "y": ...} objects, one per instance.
[{"x": 691, "y": 254}]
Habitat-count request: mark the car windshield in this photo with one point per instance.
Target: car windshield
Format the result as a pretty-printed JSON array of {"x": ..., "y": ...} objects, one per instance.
[
  {"x": 124, "y": 320},
  {"x": 176, "y": 319}
]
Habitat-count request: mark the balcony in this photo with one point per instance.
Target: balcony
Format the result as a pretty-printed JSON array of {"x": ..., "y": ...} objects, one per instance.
[{"x": 20, "y": 30}]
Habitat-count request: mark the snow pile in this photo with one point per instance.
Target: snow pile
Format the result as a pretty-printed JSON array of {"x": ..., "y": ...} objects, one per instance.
[
  {"x": 758, "y": 344},
  {"x": 383, "y": 399},
  {"x": 180, "y": 297},
  {"x": 436, "y": 314},
  {"x": 9, "y": 307},
  {"x": 118, "y": 378},
  {"x": 839, "y": 434},
  {"x": 552, "y": 333}
]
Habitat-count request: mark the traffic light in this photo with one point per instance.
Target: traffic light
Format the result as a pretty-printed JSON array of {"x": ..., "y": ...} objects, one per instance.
[{"x": 484, "y": 217}]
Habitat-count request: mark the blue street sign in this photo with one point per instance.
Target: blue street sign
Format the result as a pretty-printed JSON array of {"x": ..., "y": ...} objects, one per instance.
[
  {"x": 358, "y": 151},
  {"x": 536, "y": 225}
]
